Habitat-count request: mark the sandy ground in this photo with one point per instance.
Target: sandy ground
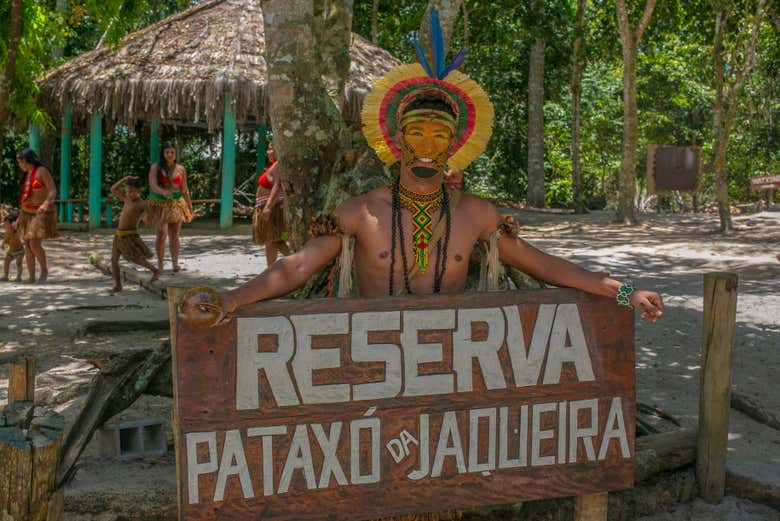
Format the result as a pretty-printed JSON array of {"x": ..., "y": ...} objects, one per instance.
[{"x": 668, "y": 253}]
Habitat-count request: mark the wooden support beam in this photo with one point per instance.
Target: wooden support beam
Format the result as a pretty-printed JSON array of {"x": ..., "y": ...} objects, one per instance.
[
  {"x": 720, "y": 309},
  {"x": 154, "y": 140},
  {"x": 228, "y": 165},
  {"x": 66, "y": 208},
  {"x": 95, "y": 169},
  {"x": 592, "y": 507},
  {"x": 21, "y": 380}
]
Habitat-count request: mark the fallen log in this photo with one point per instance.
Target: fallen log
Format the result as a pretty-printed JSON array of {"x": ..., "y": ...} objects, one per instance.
[
  {"x": 112, "y": 390},
  {"x": 753, "y": 409},
  {"x": 759, "y": 483},
  {"x": 663, "y": 452}
]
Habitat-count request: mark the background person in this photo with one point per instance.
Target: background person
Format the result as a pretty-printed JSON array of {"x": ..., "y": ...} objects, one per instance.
[
  {"x": 169, "y": 203},
  {"x": 268, "y": 228},
  {"x": 14, "y": 249},
  {"x": 37, "y": 220},
  {"x": 127, "y": 241}
]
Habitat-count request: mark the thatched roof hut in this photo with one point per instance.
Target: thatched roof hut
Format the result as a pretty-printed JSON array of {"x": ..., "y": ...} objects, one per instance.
[{"x": 180, "y": 69}]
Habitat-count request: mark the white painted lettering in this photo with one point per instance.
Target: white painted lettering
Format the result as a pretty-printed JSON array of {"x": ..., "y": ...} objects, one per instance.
[
  {"x": 307, "y": 360},
  {"x": 537, "y": 435},
  {"x": 504, "y": 461},
  {"x": 474, "y": 416},
  {"x": 249, "y": 362},
  {"x": 464, "y": 349},
  {"x": 567, "y": 321},
  {"x": 233, "y": 450},
  {"x": 526, "y": 367},
  {"x": 355, "y": 426},
  {"x": 585, "y": 434},
  {"x": 390, "y": 354},
  {"x": 449, "y": 432},
  {"x": 614, "y": 415},
  {"x": 266, "y": 437},
  {"x": 416, "y": 353},
  {"x": 299, "y": 457},
  {"x": 195, "y": 469}
]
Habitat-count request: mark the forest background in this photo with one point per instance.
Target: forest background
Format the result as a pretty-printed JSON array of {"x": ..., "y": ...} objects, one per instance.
[{"x": 694, "y": 69}]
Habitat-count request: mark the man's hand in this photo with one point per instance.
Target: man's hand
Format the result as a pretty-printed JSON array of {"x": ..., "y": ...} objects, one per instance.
[{"x": 649, "y": 303}]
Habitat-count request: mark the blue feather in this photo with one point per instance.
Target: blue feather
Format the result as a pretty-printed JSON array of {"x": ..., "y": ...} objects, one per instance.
[
  {"x": 421, "y": 57},
  {"x": 437, "y": 43},
  {"x": 457, "y": 62}
]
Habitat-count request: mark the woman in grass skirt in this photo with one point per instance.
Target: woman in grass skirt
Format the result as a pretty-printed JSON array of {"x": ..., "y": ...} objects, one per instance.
[{"x": 268, "y": 227}]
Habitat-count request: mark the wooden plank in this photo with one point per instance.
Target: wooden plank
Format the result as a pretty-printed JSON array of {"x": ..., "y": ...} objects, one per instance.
[
  {"x": 767, "y": 182},
  {"x": 444, "y": 401},
  {"x": 21, "y": 380},
  {"x": 720, "y": 307},
  {"x": 174, "y": 294},
  {"x": 592, "y": 507}
]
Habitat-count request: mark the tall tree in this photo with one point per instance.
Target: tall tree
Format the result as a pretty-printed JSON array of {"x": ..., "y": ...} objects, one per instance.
[
  {"x": 448, "y": 15},
  {"x": 576, "y": 96},
  {"x": 629, "y": 41},
  {"x": 728, "y": 83},
  {"x": 9, "y": 68},
  {"x": 536, "y": 190},
  {"x": 309, "y": 132}
]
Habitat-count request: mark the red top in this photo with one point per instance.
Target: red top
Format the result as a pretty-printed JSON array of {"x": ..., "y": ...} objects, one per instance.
[
  {"x": 263, "y": 179},
  {"x": 30, "y": 183},
  {"x": 176, "y": 179}
]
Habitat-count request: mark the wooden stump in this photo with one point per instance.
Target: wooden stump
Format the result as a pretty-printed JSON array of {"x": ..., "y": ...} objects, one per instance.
[{"x": 30, "y": 439}]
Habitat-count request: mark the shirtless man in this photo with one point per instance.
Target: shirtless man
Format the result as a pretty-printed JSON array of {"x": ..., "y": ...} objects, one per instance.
[
  {"x": 426, "y": 122},
  {"x": 127, "y": 241}
]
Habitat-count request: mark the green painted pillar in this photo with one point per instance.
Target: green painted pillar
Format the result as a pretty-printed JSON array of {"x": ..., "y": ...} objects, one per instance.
[
  {"x": 154, "y": 140},
  {"x": 66, "y": 209},
  {"x": 228, "y": 166},
  {"x": 262, "y": 148},
  {"x": 95, "y": 168},
  {"x": 35, "y": 138}
]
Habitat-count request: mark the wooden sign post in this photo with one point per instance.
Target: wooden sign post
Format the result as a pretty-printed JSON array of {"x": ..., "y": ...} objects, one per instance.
[
  {"x": 351, "y": 409},
  {"x": 767, "y": 182}
]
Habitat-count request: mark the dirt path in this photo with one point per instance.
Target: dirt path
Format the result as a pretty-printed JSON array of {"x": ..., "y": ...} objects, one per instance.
[{"x": 667, "y": 253}]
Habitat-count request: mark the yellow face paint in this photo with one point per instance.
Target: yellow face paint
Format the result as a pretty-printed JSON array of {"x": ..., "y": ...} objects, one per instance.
[{"x": 426, "y": 146}]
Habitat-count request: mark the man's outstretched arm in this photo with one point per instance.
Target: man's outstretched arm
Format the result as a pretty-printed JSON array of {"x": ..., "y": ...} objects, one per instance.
[
  {"x": 559, "y": 272},
  {"x": 287, "y": 274}
]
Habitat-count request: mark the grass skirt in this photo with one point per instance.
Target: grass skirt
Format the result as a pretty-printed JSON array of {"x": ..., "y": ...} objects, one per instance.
[
  {"x": 167, "y": 211},
  {"x": 270, "y": 230},
  {"x": 131, "y": 247},
  {"x": 44, "y": 227}
]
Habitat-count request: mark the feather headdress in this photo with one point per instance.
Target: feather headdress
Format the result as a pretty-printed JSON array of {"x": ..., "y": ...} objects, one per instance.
[{"x": 384, "y": 105}]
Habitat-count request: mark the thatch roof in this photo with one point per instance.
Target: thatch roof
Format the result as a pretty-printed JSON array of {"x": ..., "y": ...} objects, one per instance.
[{"x": 180, "y": 68}]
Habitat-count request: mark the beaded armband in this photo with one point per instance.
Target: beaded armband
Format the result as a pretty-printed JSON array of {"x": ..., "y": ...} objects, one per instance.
[
  {"x": 327, "y": 224},
  {"x": 624, "y": 294},
  {"x": 509, "y": 227}
]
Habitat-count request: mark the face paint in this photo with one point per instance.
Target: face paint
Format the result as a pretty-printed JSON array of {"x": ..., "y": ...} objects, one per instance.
[{"x": 426, "y": 147}]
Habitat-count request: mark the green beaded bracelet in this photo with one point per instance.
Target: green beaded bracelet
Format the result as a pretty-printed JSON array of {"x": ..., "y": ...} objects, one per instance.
[{"x": 624, "y": 294}]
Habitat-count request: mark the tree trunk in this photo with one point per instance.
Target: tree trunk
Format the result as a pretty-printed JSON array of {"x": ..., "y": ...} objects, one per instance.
[
  {"x": 448, "y": 15},
  {"x": 335, "y": 39},
  {"x": 726, "y": 101},
  {"x": 309, "y": 131},
  {"x": 576, "y": 95},
  {"x": 536, "y": 190},
  {"x": 62, "y": 6},
  {"x": 627, "y": 196},
  {"x": 15, "y": 36},
  {"x": 629, "y": 40},
  {"x": 375, "y": 22}
]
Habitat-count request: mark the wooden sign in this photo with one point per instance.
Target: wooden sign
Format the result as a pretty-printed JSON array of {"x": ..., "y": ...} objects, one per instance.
[
  {"x": 351, "y": 409},
  {"x": 766, "y": 182},
  {"x": 673, "y": 169}
]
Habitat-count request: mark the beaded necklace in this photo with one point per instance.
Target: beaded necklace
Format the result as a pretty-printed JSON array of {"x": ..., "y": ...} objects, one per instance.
[
  {"x": 438, "y": 199},
  {"x": 422, "y": 207}
]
